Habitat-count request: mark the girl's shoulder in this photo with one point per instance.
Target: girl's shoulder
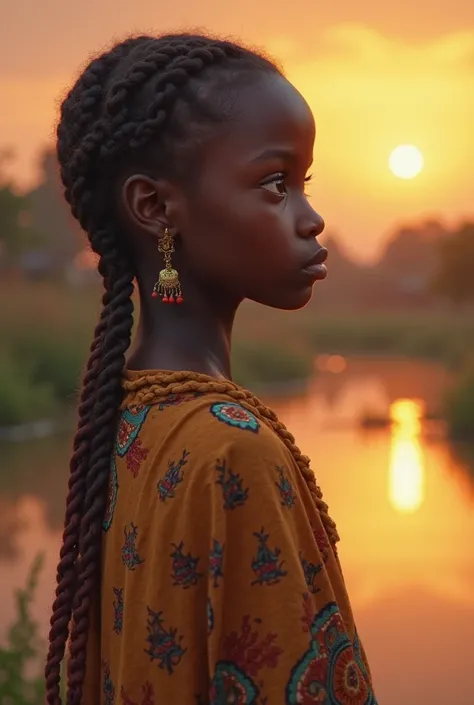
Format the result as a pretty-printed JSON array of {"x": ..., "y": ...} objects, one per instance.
[{"x": 208, "y": 420}]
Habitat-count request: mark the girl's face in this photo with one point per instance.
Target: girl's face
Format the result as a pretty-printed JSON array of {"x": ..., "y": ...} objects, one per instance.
[{"x": 247, "y": 228}]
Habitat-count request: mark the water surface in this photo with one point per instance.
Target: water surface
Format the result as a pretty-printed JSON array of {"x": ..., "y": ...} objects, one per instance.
[{"x": 403, "y": 500}]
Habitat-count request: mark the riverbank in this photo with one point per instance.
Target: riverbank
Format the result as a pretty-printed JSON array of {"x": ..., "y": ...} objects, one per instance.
[
  {"x": 441, "y": 337},
  {"x": 45, "y": 340},
  {"x": 47, "y": 332}
]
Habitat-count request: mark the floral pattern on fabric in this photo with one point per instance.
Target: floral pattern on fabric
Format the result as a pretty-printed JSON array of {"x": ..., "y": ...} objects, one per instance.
[
  {"x": 148, "y": 696},
  {"x": 130, "y": 557},
  {"x": 216, "y": 559},
  {"x": 245, "y": 655},
  {"x": 235, "y": 415},
  {"x": 175, "y": 399},
  {"x": 112, "y": 493},
  {"x": 135, "y": 456},
  {"x": 311, "y": 570},
  {"x": 266, "y": 564},
  {"x": 184, "y": 528},
  {"x": 322, "y": 543},
  {"x": 108, "y": 687},
  {"x": 287, "y": 492},
  {"x": 184, "y": 567},
  {"x": 164, "y": 645},
  {"x": 328, "y": 672},
  {"x": 234, "y": 493},
  {"x": 172, "y": 478},
  {"x": 118, "y": 610},
  {"x": 129, "y": 427},
  {"x": 232, "y": 685},
  {"x": 210, "y": 617},
  {"x": 127, "y": 443}
]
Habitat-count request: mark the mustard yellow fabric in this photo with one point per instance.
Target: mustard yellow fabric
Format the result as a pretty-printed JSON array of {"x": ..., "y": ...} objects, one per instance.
[{"x": 219, "y": 582}]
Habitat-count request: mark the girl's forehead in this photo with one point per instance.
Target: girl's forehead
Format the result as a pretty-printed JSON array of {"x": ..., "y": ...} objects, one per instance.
[
  {"x": 273, "y": 103},
  {"x": 270, "y": 115}
]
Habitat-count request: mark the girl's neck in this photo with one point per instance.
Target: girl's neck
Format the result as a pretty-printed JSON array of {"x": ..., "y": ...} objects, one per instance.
[{"x": 183, "y": 337}]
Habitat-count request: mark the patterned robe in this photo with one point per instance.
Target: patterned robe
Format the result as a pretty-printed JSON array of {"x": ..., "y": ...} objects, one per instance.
[{"x": 219, "y": 585}]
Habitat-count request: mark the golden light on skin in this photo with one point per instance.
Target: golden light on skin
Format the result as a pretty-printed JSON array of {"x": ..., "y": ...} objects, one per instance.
[
  {"x": 406, "y": 161},
  {"x": 406, "y": 492}
]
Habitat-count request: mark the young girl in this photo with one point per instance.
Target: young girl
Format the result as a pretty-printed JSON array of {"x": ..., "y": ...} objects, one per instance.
[{"x": 199, "y": 561}]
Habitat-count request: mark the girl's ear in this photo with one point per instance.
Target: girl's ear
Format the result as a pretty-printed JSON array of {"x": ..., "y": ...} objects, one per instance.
[{"x": 151, "y": 204}]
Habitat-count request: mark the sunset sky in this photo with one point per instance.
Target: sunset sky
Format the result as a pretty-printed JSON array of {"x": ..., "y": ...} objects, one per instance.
[{"x": 376, "y": 75}]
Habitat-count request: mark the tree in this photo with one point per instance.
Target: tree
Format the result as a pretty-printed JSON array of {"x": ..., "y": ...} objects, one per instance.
[
  {"x": 12, "y": 213},
  {"x": 37, "y": 231},
  {"x": 410, "y": 255},
  {"x": 11, "y": 208},
  {"x": 61, "y": 235},
  {"x": 454, "y": 278},
  {"x": 17, "y": 230}
]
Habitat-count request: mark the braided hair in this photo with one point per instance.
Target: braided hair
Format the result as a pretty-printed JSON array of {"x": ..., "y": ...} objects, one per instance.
[{"x": 140, "y": 101}]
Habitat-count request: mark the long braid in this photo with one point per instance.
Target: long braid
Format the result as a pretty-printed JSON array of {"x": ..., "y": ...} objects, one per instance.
[
  {"x": 107, "y": 401},
  {"x": 91, "y": 86},
  {"x": 97, "y": 126},
  {"x": 66, "y": 574},
  {"x": 152, "y": 388}
]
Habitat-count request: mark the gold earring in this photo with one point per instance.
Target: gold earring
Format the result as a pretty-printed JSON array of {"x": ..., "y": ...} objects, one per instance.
[{"x": 167, "y": 286}]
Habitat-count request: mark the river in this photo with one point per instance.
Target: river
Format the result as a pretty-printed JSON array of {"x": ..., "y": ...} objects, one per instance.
[{"x": 403, "y": 500}]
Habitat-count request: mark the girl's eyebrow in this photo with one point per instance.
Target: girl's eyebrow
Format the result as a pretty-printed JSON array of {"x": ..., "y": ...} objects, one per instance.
[
  {"x": 275, "y": 153},
  {"x": 283, "y": 153}
]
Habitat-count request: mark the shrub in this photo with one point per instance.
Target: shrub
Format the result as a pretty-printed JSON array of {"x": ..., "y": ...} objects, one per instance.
[
  {"x": 22, "y": 650},
  {"x": 21, "y": 399},
  {"x": 459, "y": 407}
]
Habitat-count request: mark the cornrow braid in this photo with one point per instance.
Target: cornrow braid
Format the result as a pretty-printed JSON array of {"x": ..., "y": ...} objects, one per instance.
[
  {"x": 104, "y": 118},
  {"x": 179, "y": 70},
  {"x": 90, "y": 86}
]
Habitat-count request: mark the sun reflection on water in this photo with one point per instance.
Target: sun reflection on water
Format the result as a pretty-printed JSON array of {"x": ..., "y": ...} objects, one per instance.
[{"x": 406, "y": 489}]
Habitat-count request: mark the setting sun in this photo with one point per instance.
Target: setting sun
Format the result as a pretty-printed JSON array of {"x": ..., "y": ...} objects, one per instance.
[{"x": 406, "y": 161}]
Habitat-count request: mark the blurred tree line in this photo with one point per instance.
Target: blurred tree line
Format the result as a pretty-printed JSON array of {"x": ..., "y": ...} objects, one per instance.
[
  {"x": 37, "y": 234},
  {"x": 454, "y": 277},
  {"x": 432, "y": 260},
  {"x": 427, "y": 262}
]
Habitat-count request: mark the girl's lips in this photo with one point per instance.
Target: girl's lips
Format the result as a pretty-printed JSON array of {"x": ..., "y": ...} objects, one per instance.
[{"x": 316, "y": 271}]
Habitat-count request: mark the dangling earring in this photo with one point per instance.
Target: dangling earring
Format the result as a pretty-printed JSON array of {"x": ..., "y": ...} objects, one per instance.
[{"x": 167, "y": 286}]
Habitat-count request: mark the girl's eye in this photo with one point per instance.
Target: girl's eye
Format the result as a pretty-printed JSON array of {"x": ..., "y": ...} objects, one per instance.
[
  {"x": 276, "y": 185},
  {"x": 307, "y": 181}
]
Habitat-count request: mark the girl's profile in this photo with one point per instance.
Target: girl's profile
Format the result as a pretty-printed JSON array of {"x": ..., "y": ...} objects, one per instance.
[{"x": 199, "y": 564}]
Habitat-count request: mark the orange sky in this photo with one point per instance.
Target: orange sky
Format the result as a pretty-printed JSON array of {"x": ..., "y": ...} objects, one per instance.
[{"x": 376, "y": 75}]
